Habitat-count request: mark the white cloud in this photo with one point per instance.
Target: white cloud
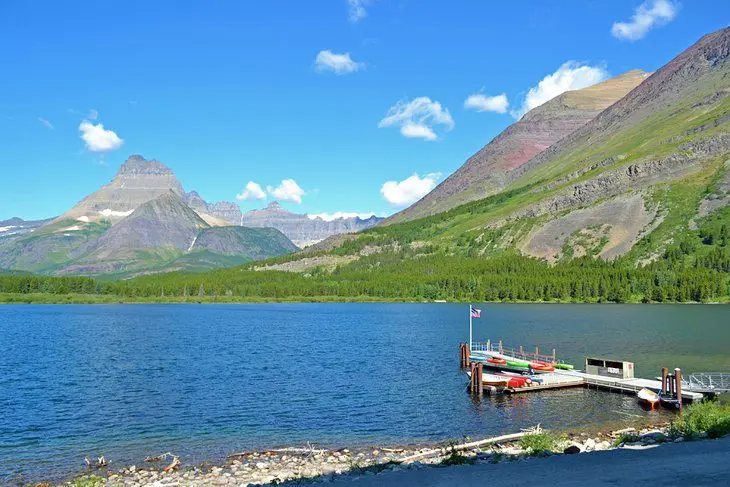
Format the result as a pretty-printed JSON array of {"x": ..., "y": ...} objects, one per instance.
[
  {"x": 253, "y": 191},
  {"x": 356, "y": 9},
  {"x": 46, "y": 123},
  {"x": 288, "y": 190},
  {"x": 570, "y": 76},
  {"x": 337, "y": 63},
  {"x": 98, "y": 139},
  {"x": 328, "y": 217},
  {"x": 417, "y": 117},
  {"x": 406, "y": 192},
  {"x": 650, "y": 14},
  {"x": 93, "y": 114},
  {"x": 483, "y": 103}
]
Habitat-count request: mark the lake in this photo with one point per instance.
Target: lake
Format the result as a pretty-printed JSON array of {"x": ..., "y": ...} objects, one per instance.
[{"x": 203, "y": 381}]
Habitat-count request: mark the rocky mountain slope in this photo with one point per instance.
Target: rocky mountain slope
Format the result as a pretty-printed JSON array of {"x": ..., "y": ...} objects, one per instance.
[
  {"x": 17, "y": 226},
  {"x": 304, "y": 229},
  {"x": 486, "y": 172},
  {"x": 141, "y": 221},
  {"x": 164, "y": 229},
  {"x": 644, "y": 180},
  {"x": 140, "y": 180}
]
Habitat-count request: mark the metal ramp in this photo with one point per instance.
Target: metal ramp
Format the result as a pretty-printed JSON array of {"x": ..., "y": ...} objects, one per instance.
[{"x": 717, "y": 382}]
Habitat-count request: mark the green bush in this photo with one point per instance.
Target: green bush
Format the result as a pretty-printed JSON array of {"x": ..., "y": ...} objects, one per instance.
[
  {"x": 87, "y": 481},
  {"x": 709, "y": 417},
  {"x": 536, "y": 443}
]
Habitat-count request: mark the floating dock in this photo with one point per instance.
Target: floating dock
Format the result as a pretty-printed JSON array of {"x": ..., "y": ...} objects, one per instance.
[{"x": 609, "y": 375}]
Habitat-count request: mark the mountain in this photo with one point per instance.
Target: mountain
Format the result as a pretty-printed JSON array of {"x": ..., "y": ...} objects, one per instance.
[
  {"x": 646, "y": 180},
  {"x": 17, "y": 226},
  {"x": 221, "y": 213},
  {"x": 142, "y": 221},
  {"x": 304, "y": 229},
  {"x": 486, "y": 172},
  {"x": 256, "y": 243},
  {"x": 159, "y": 232}
]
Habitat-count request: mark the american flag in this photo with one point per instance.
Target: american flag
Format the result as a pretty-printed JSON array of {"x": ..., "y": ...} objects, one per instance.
[{"x": 475, "y": 313}]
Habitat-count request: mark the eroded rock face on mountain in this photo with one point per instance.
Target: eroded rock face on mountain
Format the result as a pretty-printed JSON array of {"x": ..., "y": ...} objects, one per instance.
[
  {"x": 138, "y": 180},
  {"x": 303, "y": 229},
  {"x": 216, "y": 214},
  {"x": 486, "y": 171},
  {"x": 605, "y": 230}
]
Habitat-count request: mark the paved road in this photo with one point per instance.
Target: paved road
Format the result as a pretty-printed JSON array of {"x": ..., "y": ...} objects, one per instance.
[{"x": 685, "y": 464}]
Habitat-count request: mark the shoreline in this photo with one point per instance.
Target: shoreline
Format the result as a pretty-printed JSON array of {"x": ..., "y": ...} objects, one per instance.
[
  {"x": 310, "y": 464},
  {"x": 87, "y": 299}
]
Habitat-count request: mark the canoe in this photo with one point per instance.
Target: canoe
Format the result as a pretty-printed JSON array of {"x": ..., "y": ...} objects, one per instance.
[
  {"x": 564, "y": 366},
  {"x": 542, "y": 367},
  {"x": 492, "y": 379},
  {"x": 526, "y": 381},
  {"x": 520, "y": 364},
  {"x": 497, "y": 361},
  {"x": 648, "y": 396}
]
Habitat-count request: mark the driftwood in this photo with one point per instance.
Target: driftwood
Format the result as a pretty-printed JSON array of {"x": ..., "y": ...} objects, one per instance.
[
  {"x": 101, "y": 462},
  {"x": 463, "y": 446},
  {"x": 174, "y": 464},
  {"x": 308, "y": 450}
]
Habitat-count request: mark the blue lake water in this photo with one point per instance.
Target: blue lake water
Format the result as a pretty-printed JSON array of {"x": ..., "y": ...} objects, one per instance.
[{"x": 204, "y": 381}]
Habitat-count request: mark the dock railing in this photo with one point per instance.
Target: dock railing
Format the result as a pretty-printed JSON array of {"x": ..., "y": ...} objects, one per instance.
[{"x": 518, "y": 353}]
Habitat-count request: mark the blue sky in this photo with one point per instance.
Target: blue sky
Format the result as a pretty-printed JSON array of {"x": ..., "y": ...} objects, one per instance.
[{"x": 229, "y": 92}]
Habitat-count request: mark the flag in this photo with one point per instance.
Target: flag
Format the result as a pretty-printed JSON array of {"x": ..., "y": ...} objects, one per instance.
[{"x": 475, "y": 313}]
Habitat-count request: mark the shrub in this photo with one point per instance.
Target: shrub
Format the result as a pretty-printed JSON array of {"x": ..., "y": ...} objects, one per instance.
[
  {"x": 709, "y": 417},
  {"x": 536, "y": 443},
  {"x": 88, "y": 481}
]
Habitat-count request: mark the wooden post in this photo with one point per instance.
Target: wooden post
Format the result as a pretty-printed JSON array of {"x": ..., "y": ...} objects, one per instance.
[
  {"x": 489, "y": 345},
  {"x": 665, "y": 374},
  {"x": 500, "y": 346},
  {"x": 678, "y": 385},
  {"x": 480, "y": 382},
  {"x": 473, "y": 378},
  {"x": 537, "y": 352},
  {"x": 553, "y": 355},
  {"x": 467, "y": 351},
  {"x": 462, "y": 357},
  {"x": 522, "y": 353}
]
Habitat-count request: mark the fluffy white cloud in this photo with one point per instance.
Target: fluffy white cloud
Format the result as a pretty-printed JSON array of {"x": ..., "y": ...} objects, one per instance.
[
  {"x": 356, "y": 9},
  {"x": 570, "y": 76},
  {"x": 483, "y": 103},
  {"x": 98, "y": 139},
  {"x": 46, "y": 123},
  {"x": 288, "y": 190},
  {"x": 337, "y": 63},
  {"x": 650, "y": 14},
  {"x": 328, "y": 217},
  {"x": 417, "y": 117},
  {"x": 403, "y": 193},
  {"x": 252, "y": 191}
]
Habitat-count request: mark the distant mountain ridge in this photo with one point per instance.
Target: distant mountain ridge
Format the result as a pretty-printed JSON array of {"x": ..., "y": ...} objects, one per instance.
[{"x": 301, "y": 228}]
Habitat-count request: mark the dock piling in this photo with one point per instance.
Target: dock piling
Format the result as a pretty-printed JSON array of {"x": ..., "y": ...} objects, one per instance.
[
  {"x": 677, "y": 385},
  {"x": 537, "y": 352},
  {"x": 480, "y": 382},
  {"x": 665, "y": 374}
]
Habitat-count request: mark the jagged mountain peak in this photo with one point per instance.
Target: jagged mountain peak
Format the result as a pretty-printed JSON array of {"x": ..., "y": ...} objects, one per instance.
[{"x": 137, "y": 165}]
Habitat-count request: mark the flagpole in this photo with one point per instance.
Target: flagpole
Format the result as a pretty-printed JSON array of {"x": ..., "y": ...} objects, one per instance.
[{"x": 470, "y": 319}]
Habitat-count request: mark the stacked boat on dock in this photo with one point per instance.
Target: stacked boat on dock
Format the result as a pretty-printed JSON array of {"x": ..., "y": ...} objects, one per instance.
[{"x": 507, "y": 373}]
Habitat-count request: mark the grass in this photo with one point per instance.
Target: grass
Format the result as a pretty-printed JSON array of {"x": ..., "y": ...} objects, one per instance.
[
  {"x": 87, "y": 481},
  {"x": 708, "y": 417},
  {"x": 538, "y": 443},
  {"x": 455, "y": 457},
  {"x": 626, "y": 438}
]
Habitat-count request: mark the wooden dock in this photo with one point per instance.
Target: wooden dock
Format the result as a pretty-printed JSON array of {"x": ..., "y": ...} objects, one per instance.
[
  {"x": 623, "y": 385},
  {"x": 612, "y": 382}
]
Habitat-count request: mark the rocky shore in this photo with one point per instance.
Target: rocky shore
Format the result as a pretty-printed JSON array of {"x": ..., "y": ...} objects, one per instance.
[{"x": 313, "y": 465}]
